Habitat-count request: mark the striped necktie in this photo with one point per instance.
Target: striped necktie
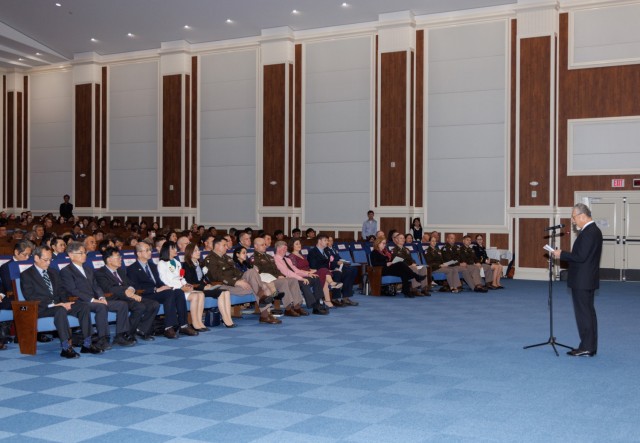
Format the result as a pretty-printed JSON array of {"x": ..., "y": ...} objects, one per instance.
[{"x": 47, "y": 280}]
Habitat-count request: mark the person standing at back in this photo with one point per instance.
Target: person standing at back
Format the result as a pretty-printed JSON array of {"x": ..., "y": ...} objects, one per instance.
[
  {"x": 370, "y": 226},
  {"x": 66, "y": 208},
  {"x": 584, "y": 278}
]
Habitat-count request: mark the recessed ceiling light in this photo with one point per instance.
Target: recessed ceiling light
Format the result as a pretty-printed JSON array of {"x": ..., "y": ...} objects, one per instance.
[
  {"x": 187, "y": 27},
  {"x": 94, "y": 39},
  {"x": 130, "y": 35},
  {"x": 20, "y": 59},
  {"x": 37, "y": 53},
  {"x": 58, "y": 5},
  {"x": 345, "y": 5},
  {"x": 229, "y": 21},
  {"x": 295, "y": 12}
]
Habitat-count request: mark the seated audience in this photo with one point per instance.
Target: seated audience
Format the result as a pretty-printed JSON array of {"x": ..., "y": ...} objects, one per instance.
[
  {"x": 324, "y": 274},
  {"x": 90, "y": 243},
  {"x": 322, "y": 256},
  {"x": 401, "y": 251},
  {"x": 470, "y": 273},
  {"x": 112, "y": 278},
  {"x": 468, "y": 256},
  {"x": 380, "y": 256},
  {"x": 436, "y": 262},
  {"x": 171, "y": 274},
  {"x": 21, "y": 251},
  {"x": 195, "y": 276},
  {"x": 242, "y": 262},
  {"x": 492, "y": 268}
]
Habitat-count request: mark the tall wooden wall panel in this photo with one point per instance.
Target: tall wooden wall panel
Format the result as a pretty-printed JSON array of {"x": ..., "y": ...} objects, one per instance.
[
  {"x": 19, "y": 150},
  {"x": 172, "y": 222},
  {"x": 25, "y": 144},
  {"x": 591, "y": 93},
  {"x": 513, "y": 113},
  {"x": 419, "y": 120},
  {"x": 8, "y": 165},
  {"x": 500, "y": 241},
  {"x": 5, "y": 145},
  {"x": 271, "y": 224},
  {"x": 194, "y": 132},
  {"x": 388, "y": 223},
  {"x": 393, "y": 128},
  {"x": 187, "y": 140},
  {"x": 83, "y": 141},
  {"x": 532, "y": 237},
  {"x": 297, "y": 179},
  {"x": 103, "y": 138},
  {"x": 273, "y": 141},
  {"x": 171, "y": 141},
  {"x": 97, "y": 163},
  {"x": 535, "y": 113}
]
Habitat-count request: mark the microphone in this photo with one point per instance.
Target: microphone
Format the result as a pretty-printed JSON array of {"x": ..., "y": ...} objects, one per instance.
[{"x": 551, "y": 228}]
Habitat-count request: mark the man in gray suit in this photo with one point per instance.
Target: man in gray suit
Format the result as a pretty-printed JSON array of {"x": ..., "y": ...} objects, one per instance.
[
  {"x": 584, "y": 278},
  {"x": 78, "y": 280}
]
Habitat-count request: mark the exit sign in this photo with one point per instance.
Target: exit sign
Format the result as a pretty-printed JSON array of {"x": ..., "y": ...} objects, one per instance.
[{"x": 617, "y": 183}]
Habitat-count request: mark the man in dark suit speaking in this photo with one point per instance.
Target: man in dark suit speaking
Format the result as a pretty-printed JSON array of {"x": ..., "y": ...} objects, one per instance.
[{"x": 584, "y": 278}]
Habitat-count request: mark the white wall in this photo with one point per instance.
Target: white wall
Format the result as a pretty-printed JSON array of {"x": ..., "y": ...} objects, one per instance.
[
  {"x": 133, "y": 145},
  {"x": 606, "y": 34},
  {"x": 228, "y": 138},
  {"x": 466, "y": 124},
  {"x": 337, "y": 131},
  {"x": 50, "y": 140}
]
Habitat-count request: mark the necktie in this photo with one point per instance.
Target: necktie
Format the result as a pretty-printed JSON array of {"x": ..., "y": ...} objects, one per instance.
[
  {"x": 115, "y": 274},
  {"x": 47, "y": 280},
  {"x": 146, "y": 268}
]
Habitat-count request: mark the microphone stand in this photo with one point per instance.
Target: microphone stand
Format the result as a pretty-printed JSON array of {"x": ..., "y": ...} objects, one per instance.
[{"x": 552, "y": 340}]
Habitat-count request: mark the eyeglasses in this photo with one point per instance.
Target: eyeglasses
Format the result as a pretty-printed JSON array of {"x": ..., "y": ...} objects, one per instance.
[{"x": 79, "y": 252}]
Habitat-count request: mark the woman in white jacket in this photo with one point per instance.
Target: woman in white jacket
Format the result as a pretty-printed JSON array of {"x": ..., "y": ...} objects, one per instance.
[{"x": 172, "y": 274}]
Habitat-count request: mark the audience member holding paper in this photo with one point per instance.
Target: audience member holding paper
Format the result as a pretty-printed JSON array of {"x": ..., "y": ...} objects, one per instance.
[
  {"x": 380, "y": 256},
  {"x": 423, "y": 285},
  {"x": 436, "y": 263}
]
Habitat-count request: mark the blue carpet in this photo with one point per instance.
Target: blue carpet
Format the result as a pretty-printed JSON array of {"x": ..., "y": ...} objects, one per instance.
[{"x": 447, "y": 368}]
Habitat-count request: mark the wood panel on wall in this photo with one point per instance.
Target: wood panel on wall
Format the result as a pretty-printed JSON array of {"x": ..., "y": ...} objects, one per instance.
[
  {"x": 8, "y": 165},
  {"x": 532, "y": 237},
  {"x": 273, "y": 139},
  {"x": 512, "y": 112},
  {"x": 389, "y": 223},
  {"x": 97, "y": 164},
  {"x": 297, "y": 180},
  {"x": 171, "y": 140},
  {"x": 290, "y": 161},
  {"x": 25, "y": 143},
  {"x": 83, "y": 141},
  {"x": 4, "y": 141},
  {"x": 103, "y": 137},
  {"x": 419, "y": 121},
  {"x": 393, "y": 128},
  {"x": 19, "y": 150},
  {"x": 194, "y": 132},
  {"x": 272, "y": 224},
  {"x": 591, "y": 93},
  {"x": 411, "y": 127},
  {"x": 535, "y": 123},
  {"x": 500, "y": 241},
  {"x": 187, "y": 139},
  {"x": 172, "y": 222}
]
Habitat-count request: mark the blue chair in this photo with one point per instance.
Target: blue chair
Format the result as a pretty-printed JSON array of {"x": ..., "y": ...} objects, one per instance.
[
  {"x": 375, "y": 278},
  {"x": 343, "y": 251}
]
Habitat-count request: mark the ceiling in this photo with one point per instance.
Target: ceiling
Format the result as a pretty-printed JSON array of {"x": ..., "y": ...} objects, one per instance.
[{"x": 38, "y": 32}]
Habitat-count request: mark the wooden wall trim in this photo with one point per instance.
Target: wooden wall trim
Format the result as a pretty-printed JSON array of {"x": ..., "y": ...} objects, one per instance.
[
  {"x": 83, "y": 142},
  {"x": 535, "y": 120},
  {"x": 187, "y": 141},
  {"x": 376, "y": 155},
  {"x": 4, "y": 142},
  {"x": 97, "y": 163},
  {"x": 393, "y": 128},
  {"x": 411, "y": 129},
  {"x": 172, "y": 141},
  {"x": 19, "y": 149},
  {"x": 297, "y": 179},
  {"x": 290, "y": 161},
  {"x": 513, "y": 112},
  {"x": 8, "y": 166},
  {"x": 591, "y": 93},
  {"x": 273, "y": 139},
  {"x": 532, "y": 234}
]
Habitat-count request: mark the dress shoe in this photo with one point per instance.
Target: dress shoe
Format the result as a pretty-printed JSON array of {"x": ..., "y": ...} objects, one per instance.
[
  {"x": 3, "y": 346},
  {"x": 426, "y": 292},
  {"x": 348, "y": 302},
  {"x": 415, "y": 293},
  {"x": 145, "y": 337},
  {"x": 320, "y": 311},
  {"x": 493, "y": 288},
  {"x": 270, "y": 319},
  {"x": 300, "y": 311},
  {"x": 445, "y": 289},
  {"x": 44, "y": 338},
  {"x": 121, "y": 340},
  {"x": 290, "y": 312},
  {"x": 93, "y": 349},
  {"x": 499, "y": 287},
  {"x": 232, "y": 325},
  {"x": 581, "y": 353},
  {"x": 480, "y": 289},
  {"x": 170, "y": 333},
  {"x": 131, "y": 337},
  {"x": 337, "y": 302},
  {"x": 188, "y": 330},
  {"x": 69, "y": 353},
  {"x": 103, "y": 343},
  {"x": 205, "y": 329}
]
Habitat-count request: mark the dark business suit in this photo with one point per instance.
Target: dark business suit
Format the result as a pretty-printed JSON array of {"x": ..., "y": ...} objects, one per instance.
[
  {"x": 5, "y": 278},
  {"x": 173, "y": 300},
  {"x": 142, "y": 312},
  {"x": 86, "y": 288},
  {"x": 5, "y": 303},
  {"x": 321, "y": 259},
  {"x": 34, "y": 288},
  {"x": 191, "y": 276},
  {"x": 584, "y": 279}
]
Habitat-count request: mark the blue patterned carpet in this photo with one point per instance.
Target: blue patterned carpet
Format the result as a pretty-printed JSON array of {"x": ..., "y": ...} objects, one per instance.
[{"x": 446, "y": 368}]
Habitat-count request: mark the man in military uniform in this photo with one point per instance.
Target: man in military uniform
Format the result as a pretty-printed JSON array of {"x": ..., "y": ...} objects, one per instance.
[
  {"x": 265, "y": 263},
  {"x": 220, "y": 267},
  {"x": 435, "y": 260},
  {"x": 470, "y": 272},
  {"x": 418, "y": 288}
]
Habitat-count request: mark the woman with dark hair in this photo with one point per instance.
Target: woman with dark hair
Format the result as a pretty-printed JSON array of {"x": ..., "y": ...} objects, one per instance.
[
  {"x": 435, "y": 261},
  {"x": 380, "y": 256},
  {"x": 416, "y": 228},
  {"x": 243, "y": 264},
  {"x": 491, "y": 267},
  {"x": 301, "y": 262},
  {"x": 172, "y": 275},
  {"x": 155, "y": 226},
  {"x": 195, "y": 276}
]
